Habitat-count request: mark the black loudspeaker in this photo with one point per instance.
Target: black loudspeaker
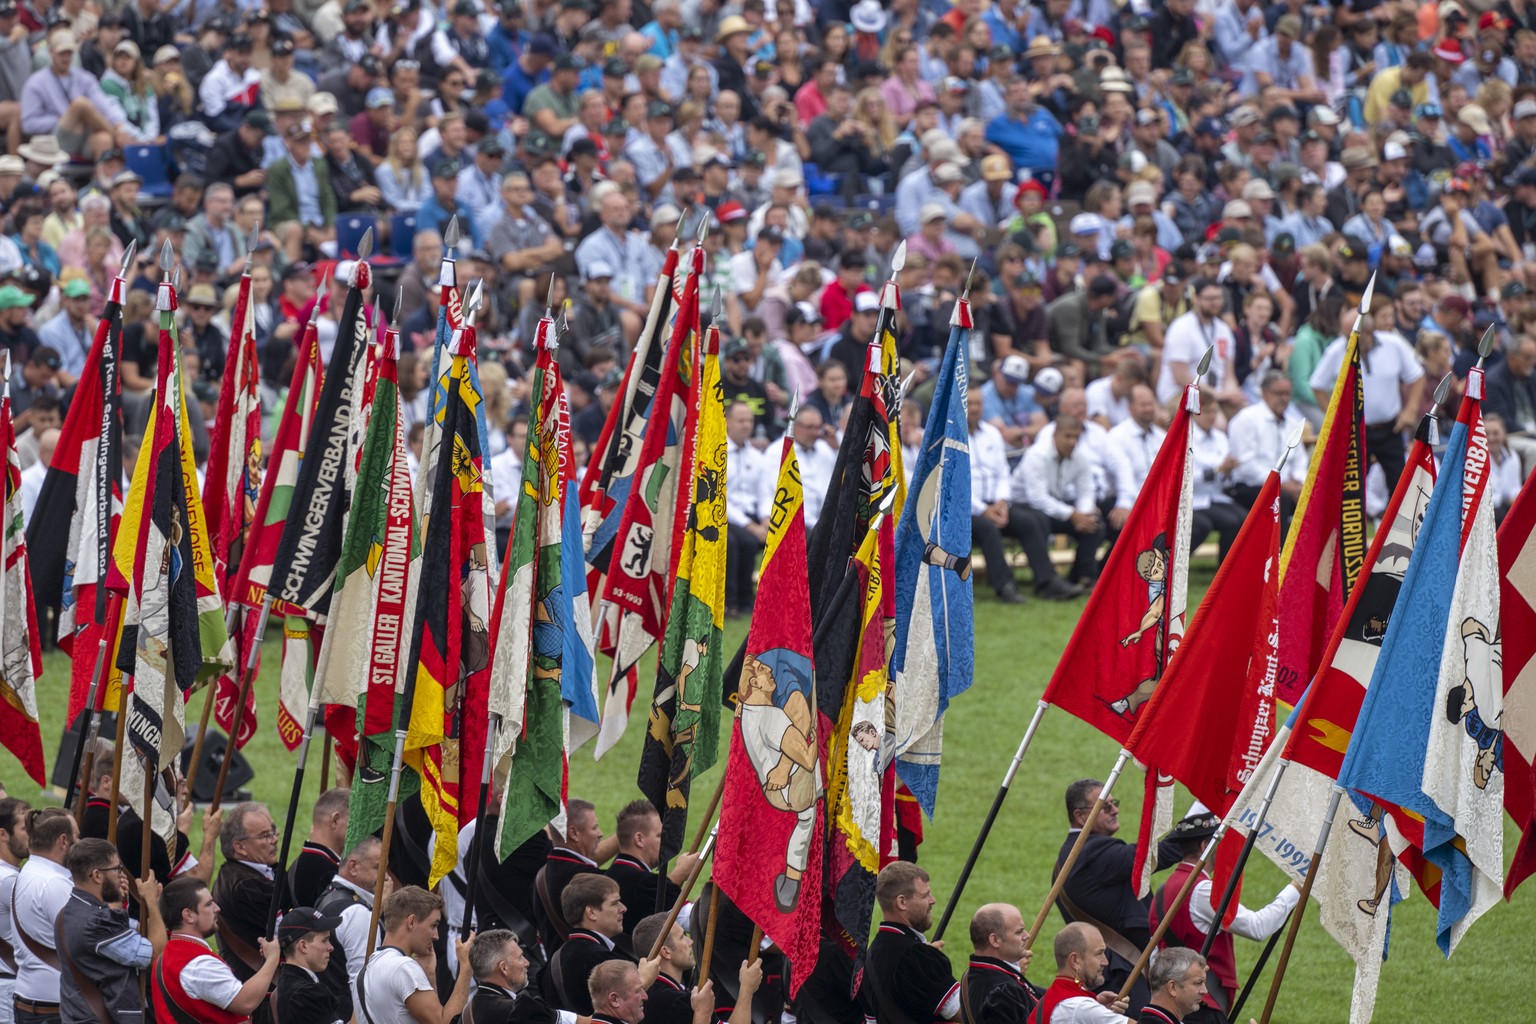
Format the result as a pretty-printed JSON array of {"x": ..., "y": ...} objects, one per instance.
[
  {"x": 208, "y": 771},
  {"x": 65, "y": 762}
]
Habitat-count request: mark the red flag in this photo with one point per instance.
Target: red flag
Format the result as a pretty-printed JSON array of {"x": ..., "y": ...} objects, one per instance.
[
  {"x": 1517, "y": 608},
  {"x": 1135, "y": 618},
  {"x": 1221, "y": 684},
  {"x": 21, "y": 657},
  {"x": 1325, "y": 549},
  {"x": 768, "y": 855}
]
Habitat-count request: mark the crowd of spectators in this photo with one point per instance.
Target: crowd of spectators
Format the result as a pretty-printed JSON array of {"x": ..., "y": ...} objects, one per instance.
[{"x": 1121, "y": 187}]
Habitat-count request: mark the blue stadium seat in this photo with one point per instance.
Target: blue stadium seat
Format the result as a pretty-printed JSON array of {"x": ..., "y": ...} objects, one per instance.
[
  {"x": 151, "y": 163},
  {"x": 877, "y": 204},
  {"x": 350, "y": 228},
  {"x": 402, "y": 230}
]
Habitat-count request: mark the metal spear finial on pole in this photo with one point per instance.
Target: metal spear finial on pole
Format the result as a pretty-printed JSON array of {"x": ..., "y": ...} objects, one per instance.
[{"x": 167, "y": 260}]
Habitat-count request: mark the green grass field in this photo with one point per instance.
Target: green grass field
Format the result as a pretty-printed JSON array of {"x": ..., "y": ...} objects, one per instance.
[{"x": 1016, "y": 651}]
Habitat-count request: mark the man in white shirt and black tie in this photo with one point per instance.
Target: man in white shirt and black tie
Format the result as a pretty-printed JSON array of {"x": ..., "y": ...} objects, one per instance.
[
  {"x": 1139, "y": 437},
  {"x": 1053, "y": 490},
  {"x": 748, "y": 502},
  {"x": 1257, "y": 436}
]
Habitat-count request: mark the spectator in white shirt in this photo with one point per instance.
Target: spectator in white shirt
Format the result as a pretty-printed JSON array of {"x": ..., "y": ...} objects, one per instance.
[
  {"x": 991, "y": 514},
  {"x": 1186, "y": 341},
  {"x": 748, "y": 502},
  {"x": 816, "y": 457},
  {"x": 1392, "y": 380},
  {"x": 1114, "y": 487},
  {"x": 1213, "y": 461},
  {"x": 1053, "y": 488},
  {"x": 1109, "y": 398},
  {"x": 42, "y": 889},
  {"x": 1257, "y": 437},
  {"x": 13, "y": 849},
  {"x": 1138, "y": 438},
  {"x": 507, "y": 478},
  {"x": 32, "y": 477},
  {"x": 1506, "y": 479}
]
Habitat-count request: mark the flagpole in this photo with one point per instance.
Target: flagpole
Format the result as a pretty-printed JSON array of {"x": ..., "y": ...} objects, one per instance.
[
  {"x": 1077, "y": 847},
  {"x": 1230, "y": 889},
  {"x": 124, "y": 691},
  {"x": 1301, "y": 906},
  {"x": 230, "y": 616},
  {"x": 991, "y": 818},
  {"x": 84, "y": 756},
  {"x": 1258, "y": 969},
  {"x": 477, "y": 850},
  {"x": 246, "y": 674},
  {"x": 682, "y": 896},
  {"x": 389, "y": 818},
  {"x": 1169, "y": 911},
  {"x": 709, "y": 936}
]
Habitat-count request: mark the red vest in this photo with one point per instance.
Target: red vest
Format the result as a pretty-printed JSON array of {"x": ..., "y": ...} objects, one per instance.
[
  {"x": 180, "y": 951},
  {"x": 1222, "y": 959},
  {"x": 1060, "y": 991}
]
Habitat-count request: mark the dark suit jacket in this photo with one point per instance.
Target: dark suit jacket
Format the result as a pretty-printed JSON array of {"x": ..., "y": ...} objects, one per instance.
[
  {"x": 243, "y": 895},
  {"x": 311, "y": 874},
  {"x": 997, "y": 993},
  {"x": 1499, "y": 388},
  {"x": 492, "y": 1005},
  {"x": 560, "y": 867},
  {"x": 637, "y": 888},
  {"x": 573, "y": 964},
  {"x": 1100, "y": 883},
  {"x": 666, "y": 1002}
]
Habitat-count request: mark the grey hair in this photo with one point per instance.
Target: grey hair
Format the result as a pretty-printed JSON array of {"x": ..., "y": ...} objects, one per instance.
[
  {"x": 234, "y": 827},
  {"x": 488, "y": 951},
  {"x": 95, "y": 201},
  {"x": 1171, "y": 964}
]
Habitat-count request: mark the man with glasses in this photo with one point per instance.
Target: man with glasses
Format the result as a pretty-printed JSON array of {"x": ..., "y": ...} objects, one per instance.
[
  {"x": 1186, "y": 341},
  {"x": 42, "y": 889},
  {"x": 1100, "y": 890},
  {"x": 100, "y": 950},
  {"x": 243, "y": 890}
]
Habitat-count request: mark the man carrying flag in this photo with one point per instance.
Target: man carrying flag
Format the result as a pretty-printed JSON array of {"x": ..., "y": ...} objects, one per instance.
[
  {"x": 21, "y": 657},
  {"x": 682, "y": 739},
  {"x": 768, "y": 851},
  {"x": 1429, "y": 736}
]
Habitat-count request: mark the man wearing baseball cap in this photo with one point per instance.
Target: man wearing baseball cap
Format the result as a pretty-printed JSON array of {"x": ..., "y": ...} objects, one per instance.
[
  {"x": 305, "y": 937},
  {"x": 68, "y": 104}
]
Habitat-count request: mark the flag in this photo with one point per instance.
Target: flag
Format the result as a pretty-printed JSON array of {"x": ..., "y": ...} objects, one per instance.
[
  {"x": 683, "y": 737},
  {"x": 450, "y": 641},
  {"x": 231, "y": 488},
  {"x": 1517, "y": 605},
  {"x": 768, "y": 850},
  {"x": 934, "y": 656},
  {"x": 531, "y": 621},
  {"x": 173, "y": 631},
  {"x": 578, "y": 666},
  {"x": 854, "y": 543},
  {"x": 360, "y": 659},
  {"x": 605, "y": 486},
  {"x": 1428, "y": 736},
  {"x": 83, "y": 487},
  {"x": 1358, "y": 880},
  {"x": 1211, "y": 717},
  {"x": 649, "y": 539},
  {"x": 1134, "y": 620},
  {"x": 21, "y": 656},
  {"x": 1326, "y": 544}
]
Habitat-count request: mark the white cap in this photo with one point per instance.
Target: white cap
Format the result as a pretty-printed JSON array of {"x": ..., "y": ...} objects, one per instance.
[
  {"x": 1393, "y": 151},
  {"x": 866, "y": 302},
  {"x": 1236, "y": 208},
  {"x": 1049, "y": 381},
  {"x": 932, "y": 211},
  {"x": 1084, "y": 224}
]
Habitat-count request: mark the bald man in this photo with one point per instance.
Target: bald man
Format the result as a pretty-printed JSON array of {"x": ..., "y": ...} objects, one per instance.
[
  {"x": 1080, "y": 961},
  {"x": 993, "y": 984}
]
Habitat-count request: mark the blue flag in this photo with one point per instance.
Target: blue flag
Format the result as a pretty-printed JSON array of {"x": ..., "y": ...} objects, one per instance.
[
  {"x": 1428, "y": 737},
  {"x": 933, "y": 656}
]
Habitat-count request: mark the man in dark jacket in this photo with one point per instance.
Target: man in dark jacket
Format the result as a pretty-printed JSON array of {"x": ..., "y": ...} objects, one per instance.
[
  {"x": 910, "y": 980},
  {"x": 502, "y": 995},
  {"x": 993, "y": 985},
  {"x": 305, "y": 936},
  {"x": 591, "y": 903},
  {"x": 236, "y": 155},
  {"x": 243, "y": 889},
  {"x": 639, "y": 834}
]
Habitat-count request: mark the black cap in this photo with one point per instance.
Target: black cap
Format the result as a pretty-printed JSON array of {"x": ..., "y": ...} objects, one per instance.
[
  {"x": 569, "y": 62},
  {"x": 282, "y": 47},
  {"x": 692, "y": 32},
  {"x": 658, "y": 109},
  {"x": 354, "y": 6},
  {"x": 1285, "y": 243},
  {"x": 465, "y": 9},
  {"x": 258, "y": 119},
  {"x": 1195, "y": 827},
  {"x": 582, "y": 147},
  {"x": 370, "y": 63},
  {"x": 296, "y": 270},
  {"x": 770, "y": 234},
  {"x": 208, "y": 259},
  {"x": 491, "y": 146},
  {"x": 241, "y": 43},
  {"x": 861, "y": 220},
  {"x": 446, "y": 169},
  {"x": 220, "y": 23},
  {"x": 543, "y": 45},
  {"x": 1069, "y": 250},
  {"x": 1102, "y": 286},
  {"x": 301, "y": 921},
  {"x": 755, "y": 159},
  {"x": 1121, "y": 250},
  {"x": 1401, "y": 98}
]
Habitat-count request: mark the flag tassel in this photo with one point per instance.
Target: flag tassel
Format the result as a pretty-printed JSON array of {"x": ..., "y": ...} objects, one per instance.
[
  {"x": 386, "y": 839},
  {"x": 310, "y": 714},
  {"x": 1172, "y": 909},
  {"x": 682, "y": 897},
  {"x": 1077, "y": 847},
  {"x": 85, "y": 746},
  {"x": 476, "y": 855},
  {"x": 986, "y": 825},
  {"x": 246, "y": 672},
  {"x": 1301, "y": 905},
  {"x": 1229, "y": 890}
]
